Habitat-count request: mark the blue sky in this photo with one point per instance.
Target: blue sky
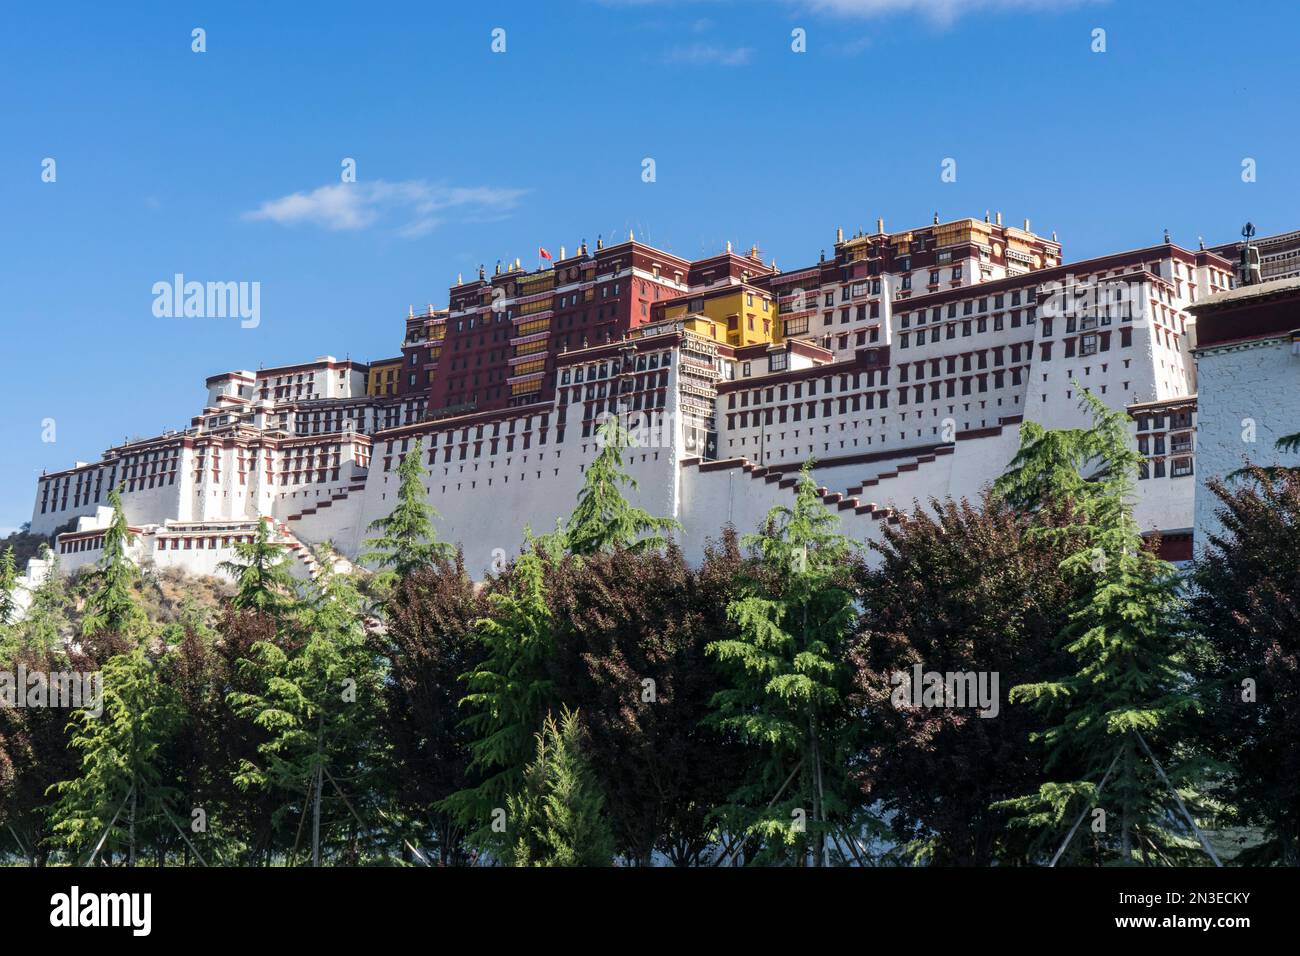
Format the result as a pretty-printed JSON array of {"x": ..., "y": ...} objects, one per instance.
[{"x": 225, "y": 165}]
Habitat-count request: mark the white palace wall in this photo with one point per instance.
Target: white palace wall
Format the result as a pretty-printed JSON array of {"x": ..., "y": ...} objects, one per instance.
[{"x": 933, "y": 412}]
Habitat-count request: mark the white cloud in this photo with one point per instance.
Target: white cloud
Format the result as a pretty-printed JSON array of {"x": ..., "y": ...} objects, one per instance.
[
  {"x": 416, "y": 207},
  {"x": 705, "y": 54},
  {"x": 942, "y": 11}
]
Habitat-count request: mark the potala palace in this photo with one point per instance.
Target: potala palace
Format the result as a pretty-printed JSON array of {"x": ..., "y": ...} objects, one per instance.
[{"x": 903, "y": 362}]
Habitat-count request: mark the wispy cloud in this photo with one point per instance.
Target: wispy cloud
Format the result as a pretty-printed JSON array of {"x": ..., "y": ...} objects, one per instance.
[
  {"x": 941, "y": 11},
  {"x": 706, "y": 54},
  {"x": 415, "y": 207}
]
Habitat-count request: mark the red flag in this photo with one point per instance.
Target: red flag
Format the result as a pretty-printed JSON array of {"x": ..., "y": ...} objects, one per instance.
[{"x": 543, "y": 253}]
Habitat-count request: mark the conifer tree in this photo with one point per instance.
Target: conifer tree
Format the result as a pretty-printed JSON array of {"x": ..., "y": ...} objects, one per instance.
[
  {"x": 509, "y": 692},
  {"x": 120, "y": 786},
  {"x": 318, "y": 702},
  {"x": 111, "y": 609},
  {"x": 262, "y": 576},
  {"x": 45, "y": 626},
  {"x": 603, "y": 518},
  {"x": 8, "y": 589},
  {"x": 557, "y": 818},
  {"x": 406, "y": 539},
  {"x": 788, "y": 679},
  {"x": 1130, "y": 690}
]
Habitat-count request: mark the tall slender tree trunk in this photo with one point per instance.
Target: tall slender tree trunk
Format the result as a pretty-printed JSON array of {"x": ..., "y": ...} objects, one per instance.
[
  {"x": 315, "y": 821},
  {"x": 320, "y": 777},
  {"x": 816, "y": 844},
  {"x": 1126, "y": 834},
  {"x": 130, "y": 858}
]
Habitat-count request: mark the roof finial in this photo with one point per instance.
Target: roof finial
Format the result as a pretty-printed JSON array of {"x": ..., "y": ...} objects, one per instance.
[
  {"x": 936, "y": 217},
  {"x": 1167, "y": 236},
  {"x": 1250, "y": 264}
]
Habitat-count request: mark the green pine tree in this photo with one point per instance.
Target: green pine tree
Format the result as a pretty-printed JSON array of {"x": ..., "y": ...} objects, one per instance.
[
  {"x": 120, "y": 787},
  {"x": 509, "y": 693},
  {"x": 111, "y": 608},
  {"x": 44, "y": 628},
  {"x": 406, "y": 539},
  {"x": 318, "y": 701},
  {"x": 1131, "y": 685},
  {"x": 262, "y": 576},
  {"x": 8, "y": 589},
  {"x": 603, "y": 518},
  {"x": 788, "y": 680},
  {"x": 557, "y": 818}
]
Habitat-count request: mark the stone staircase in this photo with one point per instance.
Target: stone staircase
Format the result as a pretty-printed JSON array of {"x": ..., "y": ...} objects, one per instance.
[
  {"x": 855, "y": 498},
  {"x": 298, "y": 550},
  {"x": 334, "y": 498}
]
